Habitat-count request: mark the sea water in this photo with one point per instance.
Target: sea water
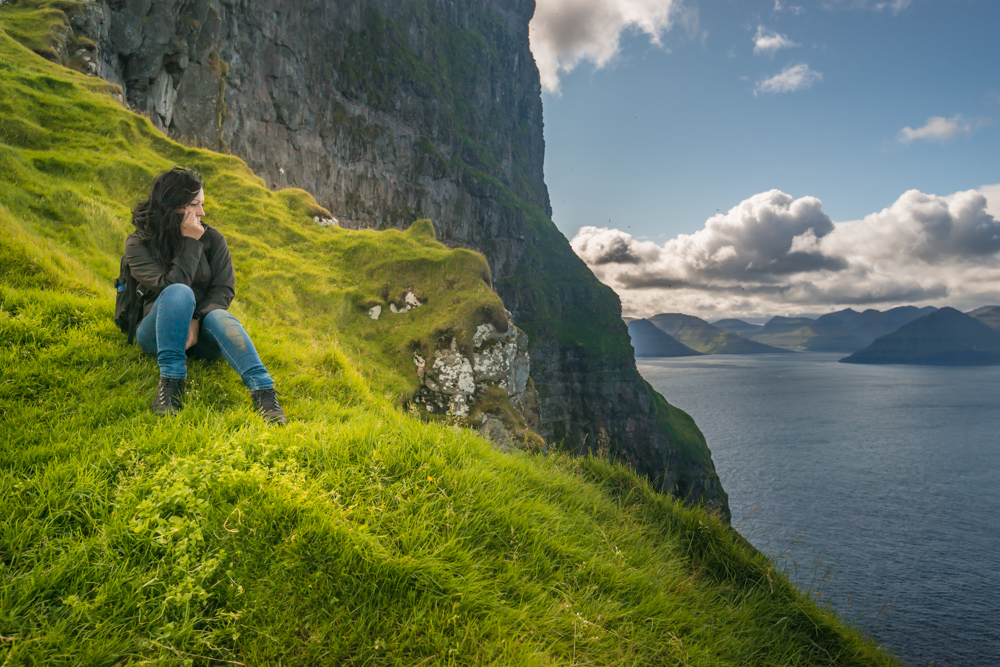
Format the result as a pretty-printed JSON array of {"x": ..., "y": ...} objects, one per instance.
[{"x": 878, "y": 486}]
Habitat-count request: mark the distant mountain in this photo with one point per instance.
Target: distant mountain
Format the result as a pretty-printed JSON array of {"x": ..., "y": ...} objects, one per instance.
[
  {"x": 738, "y": 327},
  {"x": 944, "y": 337},
  {"x": 988, "y": 315},
  {"x": 843, "y": 331},
  {"x": 790, "y": 333},
  {"x": 698, "y": 334},
  {"x": 648, "y": 340},
  {"x": 848, "y": 330}
]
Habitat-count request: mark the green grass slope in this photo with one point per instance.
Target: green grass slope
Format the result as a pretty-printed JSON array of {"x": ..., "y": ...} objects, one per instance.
[{"x": 356, "y": 535}]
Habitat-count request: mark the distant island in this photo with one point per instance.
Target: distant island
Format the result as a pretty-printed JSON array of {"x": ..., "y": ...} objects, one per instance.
[
  {"x": 945, "y": 337},
  {"x": 902, "y": 335}
]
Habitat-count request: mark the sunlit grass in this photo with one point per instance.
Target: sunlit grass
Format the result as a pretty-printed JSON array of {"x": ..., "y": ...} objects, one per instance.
[{"x": 355, "y": 535}]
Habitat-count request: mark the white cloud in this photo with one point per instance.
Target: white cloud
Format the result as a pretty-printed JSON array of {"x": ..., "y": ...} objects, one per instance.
[
  {"x": 791, "y": 9},
  {"x": 776, "y": 254},
  {"x": 894, "y": 6},
  {"x": 790, "y": 79},
  {"x": 769, "y": 42},
  {"x": 937, "y": 128},
  {"x": 992, "y": 194},
  {"x": 565, "y": 33}
]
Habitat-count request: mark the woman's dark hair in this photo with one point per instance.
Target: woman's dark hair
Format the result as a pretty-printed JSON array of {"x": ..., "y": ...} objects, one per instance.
[{"x": 158, "y": 219}]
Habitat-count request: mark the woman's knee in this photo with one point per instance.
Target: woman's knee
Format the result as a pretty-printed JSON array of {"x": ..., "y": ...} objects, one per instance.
[
  {"x": 178, "y": 292},
  {"x": 220, "y": 317},
  {"x": 224, "y": 325}
]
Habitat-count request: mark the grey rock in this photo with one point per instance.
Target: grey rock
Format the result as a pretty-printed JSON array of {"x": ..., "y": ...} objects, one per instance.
[
  {"x": 496, "y": 432},
  {"x": 163, "y": 95},
  {"x": 126, "y": 33},
  {"x": 196, "y": 112},
  {"x": 452, "y": 383}
]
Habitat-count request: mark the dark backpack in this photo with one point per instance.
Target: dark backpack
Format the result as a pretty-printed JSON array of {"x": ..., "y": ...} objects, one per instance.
[{"x": 129, "y": 301}]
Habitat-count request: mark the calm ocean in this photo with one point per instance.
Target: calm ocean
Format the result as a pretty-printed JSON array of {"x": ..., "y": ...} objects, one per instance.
[{"x": 880, "y": 484}]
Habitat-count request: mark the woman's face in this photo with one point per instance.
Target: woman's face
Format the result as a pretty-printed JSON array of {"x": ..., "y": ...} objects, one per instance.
[{"x": 196, "y": 207}]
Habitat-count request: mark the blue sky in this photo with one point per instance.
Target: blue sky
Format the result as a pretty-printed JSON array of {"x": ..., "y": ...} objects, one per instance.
[{"x": 664, "y": 136}]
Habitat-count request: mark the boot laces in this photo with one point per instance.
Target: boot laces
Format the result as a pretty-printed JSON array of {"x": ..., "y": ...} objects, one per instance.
[
  {"x": 168, "y": 388},
  {"x": 266, "y": 400},
  {"x": 168, "y": 393}
]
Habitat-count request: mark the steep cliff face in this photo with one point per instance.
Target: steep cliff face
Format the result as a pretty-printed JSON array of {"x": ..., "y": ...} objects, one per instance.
[{"x": 389, "y": 111}]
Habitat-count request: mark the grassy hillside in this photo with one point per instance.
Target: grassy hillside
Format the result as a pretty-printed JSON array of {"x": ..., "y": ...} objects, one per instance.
[{"x": 356, "y": 535}]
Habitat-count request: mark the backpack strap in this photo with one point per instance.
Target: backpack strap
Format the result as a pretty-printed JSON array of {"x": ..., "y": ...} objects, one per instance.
[{"x": 133, "y": 322}]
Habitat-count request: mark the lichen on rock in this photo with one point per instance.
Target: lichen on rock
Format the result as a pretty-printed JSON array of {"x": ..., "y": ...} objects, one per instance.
[{"x": 453, "y": 383}]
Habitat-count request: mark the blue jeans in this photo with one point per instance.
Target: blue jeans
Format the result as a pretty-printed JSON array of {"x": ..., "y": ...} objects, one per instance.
[{"x": 163, "y": 333}]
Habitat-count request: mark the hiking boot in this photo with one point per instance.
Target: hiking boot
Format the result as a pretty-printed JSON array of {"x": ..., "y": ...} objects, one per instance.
[
  {"x": 265, "y": 403},
  {"x": 168, "y": 396}
]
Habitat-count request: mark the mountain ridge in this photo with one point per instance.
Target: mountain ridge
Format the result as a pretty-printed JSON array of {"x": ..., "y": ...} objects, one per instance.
[
  {"x": 945, "y": 337},
  {"x": 845, "y": 330},
  {"x": 699, "y": 335},
  {"x": 988, "y": 315}
]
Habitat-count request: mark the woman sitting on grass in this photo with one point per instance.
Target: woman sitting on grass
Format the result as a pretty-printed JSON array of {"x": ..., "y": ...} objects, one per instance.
[{"x": 187, "y": 274}]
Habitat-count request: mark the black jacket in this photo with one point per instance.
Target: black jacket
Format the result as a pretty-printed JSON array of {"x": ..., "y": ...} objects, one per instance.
[{"x": 202, "y": 264}]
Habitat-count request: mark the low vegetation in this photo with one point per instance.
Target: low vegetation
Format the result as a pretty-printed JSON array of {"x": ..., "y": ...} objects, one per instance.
[{"x": 358, "y": 534}]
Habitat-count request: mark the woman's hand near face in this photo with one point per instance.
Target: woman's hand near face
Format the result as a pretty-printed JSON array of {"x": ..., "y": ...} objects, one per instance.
[
  {"x": 191, "y": 226},
  {"x": 193, "y": 213}
]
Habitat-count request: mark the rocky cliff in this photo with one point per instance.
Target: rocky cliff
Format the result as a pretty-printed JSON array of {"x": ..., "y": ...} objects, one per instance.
[{"x": 389, "y": 111}]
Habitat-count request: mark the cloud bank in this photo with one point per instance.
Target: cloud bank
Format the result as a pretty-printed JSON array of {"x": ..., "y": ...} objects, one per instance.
[
  {"x": 565, "y": 33},
  {"x": 790, "y": 79},
  {"x": 774, "y": 254}
]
